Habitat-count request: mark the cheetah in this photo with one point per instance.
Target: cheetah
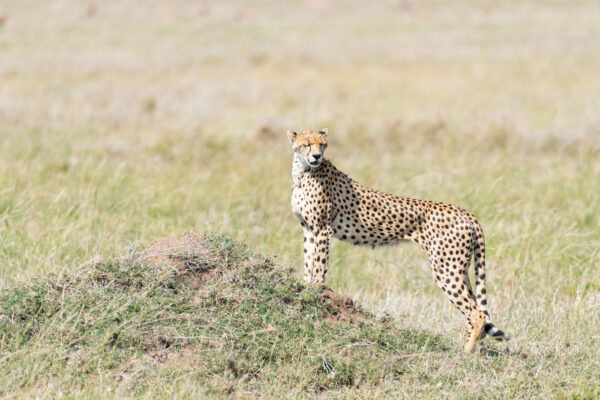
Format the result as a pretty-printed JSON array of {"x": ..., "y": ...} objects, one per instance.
[{"x": 330, "y": 204}]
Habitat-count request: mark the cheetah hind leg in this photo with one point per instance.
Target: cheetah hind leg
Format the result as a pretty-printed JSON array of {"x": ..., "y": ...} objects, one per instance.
[
  {"x": 476, "y": 331},
  {"x": 454, "y": 282}
]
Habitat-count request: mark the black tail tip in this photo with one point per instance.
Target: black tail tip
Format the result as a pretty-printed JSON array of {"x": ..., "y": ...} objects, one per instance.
[
  {"x": 496, "y": 333},
  {"x": 501, "y": 336}
]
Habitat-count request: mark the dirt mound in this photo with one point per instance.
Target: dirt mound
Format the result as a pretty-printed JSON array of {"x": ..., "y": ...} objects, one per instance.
[
  {"x": 342, "y": 307},
  {"x": 193, "y": 249},
  {"x": 205, "y": 308}
]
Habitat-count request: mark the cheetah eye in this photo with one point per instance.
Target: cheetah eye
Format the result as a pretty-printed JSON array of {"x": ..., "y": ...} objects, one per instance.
[
  {"x": 323, "y": 146},
  {"x": 306, "y": 145}
]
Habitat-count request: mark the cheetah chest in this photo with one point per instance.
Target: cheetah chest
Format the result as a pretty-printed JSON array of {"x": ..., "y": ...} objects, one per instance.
[{"x": 298, "y": 202}]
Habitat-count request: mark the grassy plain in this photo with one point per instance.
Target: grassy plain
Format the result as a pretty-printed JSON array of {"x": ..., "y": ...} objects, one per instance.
[{"x": 122, "y": 122}]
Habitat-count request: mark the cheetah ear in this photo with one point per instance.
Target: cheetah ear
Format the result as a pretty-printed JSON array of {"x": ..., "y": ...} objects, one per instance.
[
  {"x": 323, "y": 131},
  {"x": 292, "y": 136}
]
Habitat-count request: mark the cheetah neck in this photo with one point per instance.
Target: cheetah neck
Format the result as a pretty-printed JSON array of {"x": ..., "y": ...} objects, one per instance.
[{"x": 299, "y": 168}]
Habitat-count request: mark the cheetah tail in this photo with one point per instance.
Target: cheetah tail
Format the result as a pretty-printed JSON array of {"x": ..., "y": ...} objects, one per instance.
[
  {"x": 494, "y": 332},
  {"x": 479, "y": 261}
]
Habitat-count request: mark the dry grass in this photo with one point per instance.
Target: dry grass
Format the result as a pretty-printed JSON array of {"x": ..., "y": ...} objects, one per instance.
[{"x": 120, "y": 123}]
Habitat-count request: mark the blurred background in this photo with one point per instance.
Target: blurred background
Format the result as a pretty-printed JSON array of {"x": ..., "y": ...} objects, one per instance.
[{"x": 125, "y": 121}]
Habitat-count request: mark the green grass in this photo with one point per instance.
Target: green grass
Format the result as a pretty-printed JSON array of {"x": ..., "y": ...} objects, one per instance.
[{"x": 120, "y": 124}]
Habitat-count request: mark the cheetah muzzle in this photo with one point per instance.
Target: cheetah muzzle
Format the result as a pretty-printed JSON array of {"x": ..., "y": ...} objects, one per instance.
[{"x": 330, "y": 204}]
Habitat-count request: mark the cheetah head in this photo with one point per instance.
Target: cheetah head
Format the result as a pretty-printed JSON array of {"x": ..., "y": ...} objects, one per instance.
[{"x": 309, "y": 146}]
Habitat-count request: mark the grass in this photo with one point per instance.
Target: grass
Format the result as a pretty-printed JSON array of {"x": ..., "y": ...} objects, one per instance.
[
  {"x": 216, "y": 320},
  {"x": 120, "y": 124}
]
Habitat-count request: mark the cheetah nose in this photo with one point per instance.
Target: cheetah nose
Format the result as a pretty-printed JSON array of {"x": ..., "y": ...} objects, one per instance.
[{"x": 316, "y": 156}]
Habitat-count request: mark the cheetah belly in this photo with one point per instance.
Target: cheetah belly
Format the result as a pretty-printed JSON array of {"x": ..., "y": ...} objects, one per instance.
[{"x": 350, "y": 228}]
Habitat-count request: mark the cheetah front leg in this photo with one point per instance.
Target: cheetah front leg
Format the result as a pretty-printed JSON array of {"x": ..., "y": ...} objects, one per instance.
[{"x": 316, "y": 254}]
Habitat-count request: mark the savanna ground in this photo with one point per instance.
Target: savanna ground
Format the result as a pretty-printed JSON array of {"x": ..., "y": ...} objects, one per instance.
[{"x": 121, "y": 122}]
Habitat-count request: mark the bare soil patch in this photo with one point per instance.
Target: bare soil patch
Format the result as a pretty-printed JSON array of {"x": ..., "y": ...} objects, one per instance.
[
  {"x": 341, "y": 308},
  {"x": 181, "y": 252}
]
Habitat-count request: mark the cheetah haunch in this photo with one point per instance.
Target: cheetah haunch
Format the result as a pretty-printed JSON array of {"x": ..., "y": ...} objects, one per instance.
[{"x": 330, "y": 204}]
